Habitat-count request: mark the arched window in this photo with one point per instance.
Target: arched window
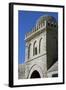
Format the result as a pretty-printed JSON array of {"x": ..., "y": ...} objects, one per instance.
[
  {"x": 35, "y": 48},
  {"x": 40, "y": 45},
  {"x": 29, "y": 51},
  {"x": 48, "y": 23}
]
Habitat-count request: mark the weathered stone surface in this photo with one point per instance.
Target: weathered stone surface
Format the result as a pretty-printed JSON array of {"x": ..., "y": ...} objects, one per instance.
[
  {"x": 21, "y": 71},
  {"x": 41, "y": 51}
]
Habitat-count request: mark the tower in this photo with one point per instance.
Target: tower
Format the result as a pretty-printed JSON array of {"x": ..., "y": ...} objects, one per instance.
[{"x": 41, "y": 47}]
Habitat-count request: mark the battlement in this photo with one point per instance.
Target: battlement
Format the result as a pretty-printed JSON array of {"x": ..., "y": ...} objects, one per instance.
[
  {"x": 42, "y": 22},
  {"x": 35, "y": 29}
]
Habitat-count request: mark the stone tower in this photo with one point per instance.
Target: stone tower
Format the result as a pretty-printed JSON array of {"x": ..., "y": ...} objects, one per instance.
[{"x": 41, "y": 47}]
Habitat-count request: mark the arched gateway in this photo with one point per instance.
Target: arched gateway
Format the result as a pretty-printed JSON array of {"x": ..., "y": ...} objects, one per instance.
[{"x": 35, "y": 72}]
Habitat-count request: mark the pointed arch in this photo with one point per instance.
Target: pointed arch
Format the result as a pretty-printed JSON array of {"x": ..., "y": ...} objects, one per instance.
[
  {"x": 29, "y": 50},
  {"x": 40, "y": 45},
  {"x": 35, "y": 48}
]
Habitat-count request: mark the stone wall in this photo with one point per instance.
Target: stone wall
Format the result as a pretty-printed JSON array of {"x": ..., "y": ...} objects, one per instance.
[
  {"x": 21, "y": 71},
  {"x": 47, "y": 52}
]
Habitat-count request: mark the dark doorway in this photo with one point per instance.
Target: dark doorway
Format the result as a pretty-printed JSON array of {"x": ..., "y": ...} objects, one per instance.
[
  {"x": 55, "y": 75},
  {"x": 35, "y": 74}
]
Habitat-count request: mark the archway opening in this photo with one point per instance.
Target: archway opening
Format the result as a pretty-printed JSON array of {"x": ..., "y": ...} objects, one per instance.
[{"x": 35, "y": 74}]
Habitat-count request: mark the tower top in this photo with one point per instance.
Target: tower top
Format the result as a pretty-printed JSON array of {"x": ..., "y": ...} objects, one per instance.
[{"x": 41, "y": 24}]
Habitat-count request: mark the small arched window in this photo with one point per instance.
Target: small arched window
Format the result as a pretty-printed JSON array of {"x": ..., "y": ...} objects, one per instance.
[
  {"x": 35, "y": 48},
  {"x": 55, "y": 25},
  {"x": 52, "y": 24},
  {"x": 48, "y": 23},
  {"x": 29, "y": 51},
  {"x": 40, "y": 45}
]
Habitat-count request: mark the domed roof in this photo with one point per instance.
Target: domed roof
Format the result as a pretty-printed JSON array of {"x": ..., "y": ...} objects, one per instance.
[{"x": 45, "y": 18}]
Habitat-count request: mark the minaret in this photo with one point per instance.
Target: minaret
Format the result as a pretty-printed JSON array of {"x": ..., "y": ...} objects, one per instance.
[{"x": 41, "y": 47}]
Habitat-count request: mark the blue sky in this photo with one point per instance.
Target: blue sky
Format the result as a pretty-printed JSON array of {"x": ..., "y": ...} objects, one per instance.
[{"x": 26, "y": 21}]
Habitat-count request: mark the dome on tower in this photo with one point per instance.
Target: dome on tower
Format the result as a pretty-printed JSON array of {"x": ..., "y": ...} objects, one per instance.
[{"x": 47, "y": 18}]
